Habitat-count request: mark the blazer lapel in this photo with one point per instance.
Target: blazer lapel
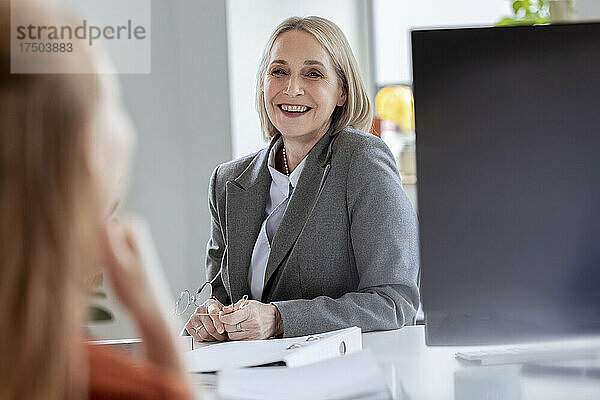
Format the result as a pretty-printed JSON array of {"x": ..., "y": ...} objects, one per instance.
[
  {"x": 301, "y": 204},
  {"x": 246, "y": 199}
]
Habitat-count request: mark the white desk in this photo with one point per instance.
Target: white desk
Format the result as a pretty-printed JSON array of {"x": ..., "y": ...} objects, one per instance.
[
  {"x": 418, "y": 372},
  {"x": 433, "y": 373}
]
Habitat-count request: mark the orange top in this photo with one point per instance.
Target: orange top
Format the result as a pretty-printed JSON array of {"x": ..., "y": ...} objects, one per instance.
[{"x": 116, "y": 376}]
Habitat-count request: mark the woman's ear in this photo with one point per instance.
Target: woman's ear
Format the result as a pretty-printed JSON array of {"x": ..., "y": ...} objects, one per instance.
[{"x": 342, "y": 99}]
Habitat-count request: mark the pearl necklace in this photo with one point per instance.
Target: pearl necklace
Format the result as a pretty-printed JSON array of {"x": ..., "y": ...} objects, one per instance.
[{"x": 285, "y": 163}]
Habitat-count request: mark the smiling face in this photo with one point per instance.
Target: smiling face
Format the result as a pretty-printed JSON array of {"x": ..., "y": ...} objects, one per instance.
[{"x": 301, "y": 88}]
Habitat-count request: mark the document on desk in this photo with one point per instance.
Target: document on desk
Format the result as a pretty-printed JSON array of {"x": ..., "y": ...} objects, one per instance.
[
  {"x": 353, "y": 376},
  {"x": 292, "y": 352}
]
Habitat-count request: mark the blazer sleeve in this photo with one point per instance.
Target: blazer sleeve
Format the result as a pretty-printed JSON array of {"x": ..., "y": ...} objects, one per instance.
[
  {"x": 384, "y": 241},
  {"x": 215, "y": 248}
]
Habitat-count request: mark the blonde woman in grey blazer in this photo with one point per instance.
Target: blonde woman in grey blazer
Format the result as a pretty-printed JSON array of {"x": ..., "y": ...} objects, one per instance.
[{"x": 315, "y": 228}]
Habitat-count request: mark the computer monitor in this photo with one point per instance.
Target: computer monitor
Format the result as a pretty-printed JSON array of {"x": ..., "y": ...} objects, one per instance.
[{"x": 508, "y": 166}]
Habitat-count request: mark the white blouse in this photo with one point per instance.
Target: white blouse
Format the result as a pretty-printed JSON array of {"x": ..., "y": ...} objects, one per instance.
[{"x": 280, "y": 192}]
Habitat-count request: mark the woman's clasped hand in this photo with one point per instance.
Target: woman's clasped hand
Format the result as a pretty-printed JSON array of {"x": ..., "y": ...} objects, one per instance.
[{"x": 244, "y": 320}]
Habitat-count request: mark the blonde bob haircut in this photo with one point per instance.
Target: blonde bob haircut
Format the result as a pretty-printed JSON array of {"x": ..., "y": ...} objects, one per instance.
[{"x": 356, "y": 112}]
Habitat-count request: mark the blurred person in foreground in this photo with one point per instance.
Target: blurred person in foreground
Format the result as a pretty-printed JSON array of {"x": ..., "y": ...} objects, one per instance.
[{"x": 65, "y": 142}]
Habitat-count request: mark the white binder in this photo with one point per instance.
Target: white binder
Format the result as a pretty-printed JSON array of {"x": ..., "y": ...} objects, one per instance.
[
  {"x": 356, "y": 376},
  {"x": 291, "y": 352}
]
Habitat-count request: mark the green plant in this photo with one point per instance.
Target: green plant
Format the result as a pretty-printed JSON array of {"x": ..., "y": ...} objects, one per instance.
[
  {"x": 98, "y": 313},
  {"x": 527, "y": 12}
]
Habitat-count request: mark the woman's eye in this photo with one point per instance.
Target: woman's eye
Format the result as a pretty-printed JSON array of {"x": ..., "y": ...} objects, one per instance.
[
  {"x": 278, "y": 72},
  {"x": 314, "y": 74}
]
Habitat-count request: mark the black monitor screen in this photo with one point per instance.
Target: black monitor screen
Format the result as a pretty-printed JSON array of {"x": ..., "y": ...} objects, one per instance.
[{"x": 508, "y": 164}]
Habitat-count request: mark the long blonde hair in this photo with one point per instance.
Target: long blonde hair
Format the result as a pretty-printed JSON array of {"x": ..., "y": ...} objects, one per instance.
[
  {"x": 356, "y": 111},
  {"x": 46, "y": 227}
]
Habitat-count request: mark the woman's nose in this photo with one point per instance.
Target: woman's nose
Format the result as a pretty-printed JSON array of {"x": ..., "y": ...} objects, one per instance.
[{"x": 293, "y": 88}]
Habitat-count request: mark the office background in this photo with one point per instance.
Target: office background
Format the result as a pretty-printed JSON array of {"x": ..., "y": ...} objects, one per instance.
[{"x": 196, "y": 108}]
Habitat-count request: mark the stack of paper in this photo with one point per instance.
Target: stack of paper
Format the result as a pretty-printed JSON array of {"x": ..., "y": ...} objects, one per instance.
[
  {"x": 354, "y": 376},
  {"x": 292, "y": 351}
]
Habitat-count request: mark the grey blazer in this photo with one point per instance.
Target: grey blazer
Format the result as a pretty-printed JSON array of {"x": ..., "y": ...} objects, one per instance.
[{"x": 346, "y": 250}]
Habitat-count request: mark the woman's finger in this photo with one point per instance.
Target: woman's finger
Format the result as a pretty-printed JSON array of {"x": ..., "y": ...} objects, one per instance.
[
  {"x": 236, "y": 316},
  {"x": 203, "y": 335},
  {"x": 192, "y": 331},
  {"x": 112, "y": 247},
  {"x": 234, "y": 307},
  {"x": 124, "y": 267},
  {"x": 121, "y": 242},
  {"x": 201, "y": 329},
  {"x": 213, "y": 308},
  {"x": 234, "y": 328},
  {"x": 214, "y": 302},
  {"x": 209, "y": 327},
  {"x": 238, "y": 335},
  {"x": 130, "y": 240}
]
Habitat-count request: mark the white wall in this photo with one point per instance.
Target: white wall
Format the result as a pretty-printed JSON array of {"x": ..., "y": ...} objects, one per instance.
[
  {"x": 587, "y": 10},
  {"x": 249, "y": 24},
  {"x": 394, "y": 19}
]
